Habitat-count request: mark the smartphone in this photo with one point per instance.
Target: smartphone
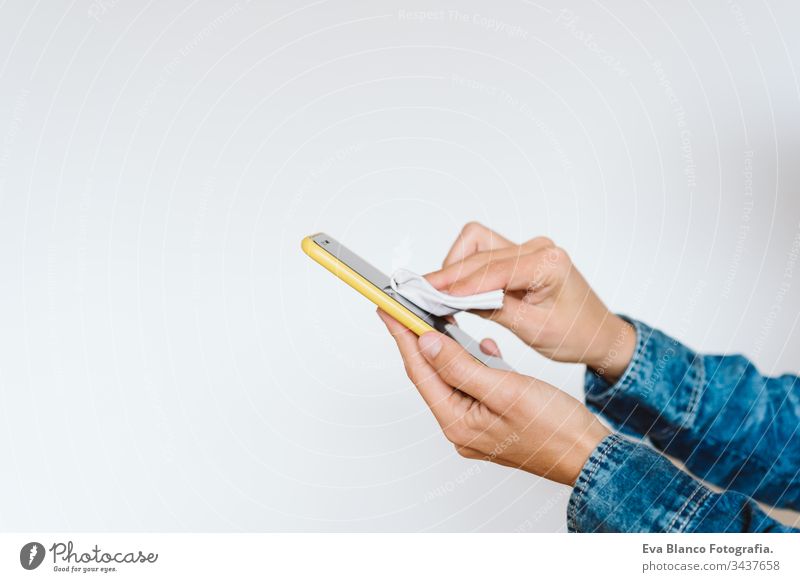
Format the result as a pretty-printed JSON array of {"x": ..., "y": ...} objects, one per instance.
[{"x": 374, "y": 285}]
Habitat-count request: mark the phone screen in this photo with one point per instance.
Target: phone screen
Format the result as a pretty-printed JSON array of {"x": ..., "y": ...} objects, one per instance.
[{"x": 381, "y": 281}]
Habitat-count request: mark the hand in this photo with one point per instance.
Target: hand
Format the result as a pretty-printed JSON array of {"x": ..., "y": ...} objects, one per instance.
[
  {"x": 498, "y": 416},
  {"x": 548, "y": 303}
]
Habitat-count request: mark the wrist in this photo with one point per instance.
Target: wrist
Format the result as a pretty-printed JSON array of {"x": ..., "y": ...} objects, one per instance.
[
  {"x": 614, "y": 348},
  {"x": 583, "y": 449}
]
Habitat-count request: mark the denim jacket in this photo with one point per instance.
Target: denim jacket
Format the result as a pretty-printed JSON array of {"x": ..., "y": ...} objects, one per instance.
[{"x": 728, "y": 424}]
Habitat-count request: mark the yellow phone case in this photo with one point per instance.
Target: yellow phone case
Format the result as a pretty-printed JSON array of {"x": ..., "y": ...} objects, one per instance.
[{"x": 367, "y": 289}]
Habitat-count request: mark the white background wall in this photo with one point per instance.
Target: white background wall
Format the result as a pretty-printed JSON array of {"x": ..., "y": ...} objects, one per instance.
[{"x": 170, "y": 360}]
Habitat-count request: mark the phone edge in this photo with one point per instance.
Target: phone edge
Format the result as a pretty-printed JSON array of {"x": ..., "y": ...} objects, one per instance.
[{"x": 343, "y": 272}]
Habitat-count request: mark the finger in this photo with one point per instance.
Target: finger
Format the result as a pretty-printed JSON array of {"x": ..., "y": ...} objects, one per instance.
[
  {"x": 454, "y": 271},
  {"x": 446, "y": 276},
  {"x": 470, "y": 453},
  {"x": 474, "y": 237},
  {"x": 515, "y": 313},
  {"x": 531, "y": 272},
  {"x": 460, "y": 370},
  {"x": 435, "y": 392},
  {"x": 489, "y": 347},
  {"x": 538, "y": 243}
]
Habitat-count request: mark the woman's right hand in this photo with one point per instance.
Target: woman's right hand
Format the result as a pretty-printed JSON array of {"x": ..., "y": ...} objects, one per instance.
[
  {"x": 548, "y": 303},
  {"x": 495, "y": 415}
]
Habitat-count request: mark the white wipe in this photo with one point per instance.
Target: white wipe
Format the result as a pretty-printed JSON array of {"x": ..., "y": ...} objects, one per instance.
[{"x": 416, "y": 289}]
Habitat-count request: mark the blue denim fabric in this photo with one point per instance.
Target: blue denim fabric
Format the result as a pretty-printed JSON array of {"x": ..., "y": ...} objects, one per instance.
[{"x": 728, "y": 424}]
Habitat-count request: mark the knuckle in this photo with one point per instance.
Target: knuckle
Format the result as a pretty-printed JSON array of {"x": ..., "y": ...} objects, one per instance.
[
  {"x": 457, "y": 371},
  {"x": 508, "y": 394},
  {"x": 546, "y": 241},
  {"x": 410, "y": 376},
  {"x": 473, "y": 226},
  {"x": 411, "y": 372},
  {"x": 549, "y": 335},
  {"x": 474, "y": 424},
  {"x": 542, "y": 242},
  {"x": 500, "y": 270},
  {"x": 457, "y": 434},
  {"x": 558, "y": 256},
  {"x": 497, "y": 266}
]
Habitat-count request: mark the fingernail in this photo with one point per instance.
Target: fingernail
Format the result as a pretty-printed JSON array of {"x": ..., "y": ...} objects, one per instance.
[{"x": 430, "y": 345}]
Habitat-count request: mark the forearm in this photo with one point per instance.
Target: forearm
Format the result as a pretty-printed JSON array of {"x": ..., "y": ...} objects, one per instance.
[
  {"x": 627, "y": 487},
  {"x": 730, "y": 425}
]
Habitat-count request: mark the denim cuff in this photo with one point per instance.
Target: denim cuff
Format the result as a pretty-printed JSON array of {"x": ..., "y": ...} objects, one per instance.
[
  {"x": 628, "y": 487},
  {"x": 663, "y": 384},
  {"x": 599, "y": 388}
]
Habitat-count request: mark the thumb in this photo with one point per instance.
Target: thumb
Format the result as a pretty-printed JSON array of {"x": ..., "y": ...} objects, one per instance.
[{"x": 458, "y": 368}]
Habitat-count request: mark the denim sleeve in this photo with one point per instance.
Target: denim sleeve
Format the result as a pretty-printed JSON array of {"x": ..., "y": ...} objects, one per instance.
[
  {"x": 729, "y": 424},
  {"x": 628, "y": 487}
]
